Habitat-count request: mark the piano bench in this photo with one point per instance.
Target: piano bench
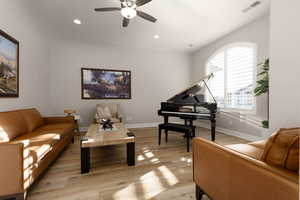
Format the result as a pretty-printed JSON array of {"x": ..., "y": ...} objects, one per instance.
[{"x": 189, "y": 132}]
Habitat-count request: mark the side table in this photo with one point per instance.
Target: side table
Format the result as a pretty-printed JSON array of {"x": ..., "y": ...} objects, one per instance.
[{"x": 77, "y": 119}]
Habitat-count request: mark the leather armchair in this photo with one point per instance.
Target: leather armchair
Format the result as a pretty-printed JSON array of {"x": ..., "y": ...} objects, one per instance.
[
  {"x": 236, "y": 172},
  {"x": 114, "y": 109}
]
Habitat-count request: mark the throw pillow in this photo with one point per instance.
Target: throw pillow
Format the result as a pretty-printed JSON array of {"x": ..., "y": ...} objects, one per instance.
[
  {"x": 282, "y": 149},
  {"x": 104, "y": 113},
  {"x": 107, "y": 113}
]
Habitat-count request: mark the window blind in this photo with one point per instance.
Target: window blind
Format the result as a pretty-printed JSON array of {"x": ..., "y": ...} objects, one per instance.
[
  {"x": 233, "y": 81},
  {"x": 216, "y": 66}
]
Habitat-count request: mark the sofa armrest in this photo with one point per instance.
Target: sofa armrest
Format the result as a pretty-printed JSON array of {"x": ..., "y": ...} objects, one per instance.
[
  {"x": 11, "y": 169},
  {"x": 229, "y": 175},
  {"x": 57, "y": 120}
]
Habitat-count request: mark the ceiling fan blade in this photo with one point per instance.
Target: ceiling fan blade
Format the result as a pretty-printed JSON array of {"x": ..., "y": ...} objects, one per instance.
[
  {"x": 125, "y": 22},
  {"x": 142, "y": 2},
  {"x": 146, "y": 16},
  {"x": 107, "y": 9}
]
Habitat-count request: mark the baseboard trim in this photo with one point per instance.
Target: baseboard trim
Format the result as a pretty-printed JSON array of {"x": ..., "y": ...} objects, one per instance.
[
  {"x": 203, "y": 125},
  {"x": 136, "y": 125},
  {"x": 233, "y": 133},
  {"x": 245, "y": 136},
  {"x": 143, "y": 125}
]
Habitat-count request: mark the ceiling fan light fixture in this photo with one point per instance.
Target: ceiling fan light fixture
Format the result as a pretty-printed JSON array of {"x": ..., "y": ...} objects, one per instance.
[
  {"x": 128, "y": 12},
  {"x": 77, "y": 21}
]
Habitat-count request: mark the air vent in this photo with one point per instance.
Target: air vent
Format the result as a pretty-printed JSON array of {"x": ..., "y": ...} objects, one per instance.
[{"x": 253, "y": 5}]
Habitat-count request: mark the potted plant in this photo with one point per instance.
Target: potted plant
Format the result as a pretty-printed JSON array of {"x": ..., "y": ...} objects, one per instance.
[{"x": 262, "y": 86}]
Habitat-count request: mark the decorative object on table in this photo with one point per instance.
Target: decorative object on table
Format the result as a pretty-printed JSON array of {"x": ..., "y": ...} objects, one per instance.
[
  {"x": 105, "y": 84},
  {"x": 106, "y": 124},
  {"x": 108, "y": 111},
  {"x": 71, "y": 112},
  {"x": 263, "y": 85},
  {"x": 9, "y": 66}
]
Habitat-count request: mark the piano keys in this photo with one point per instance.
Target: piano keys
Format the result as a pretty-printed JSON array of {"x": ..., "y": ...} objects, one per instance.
[{"x": 194, "y": 103}]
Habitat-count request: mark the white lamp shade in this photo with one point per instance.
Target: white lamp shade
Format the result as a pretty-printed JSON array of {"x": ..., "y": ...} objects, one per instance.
[{"x": 128, "y": 12}]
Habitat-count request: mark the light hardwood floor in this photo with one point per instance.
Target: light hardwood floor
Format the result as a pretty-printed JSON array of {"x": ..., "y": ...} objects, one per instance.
[{"x": 161, "y": 172}]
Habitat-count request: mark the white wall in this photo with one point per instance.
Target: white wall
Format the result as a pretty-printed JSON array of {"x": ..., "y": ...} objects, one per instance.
[
  {"x": 285, "y": 64},
  {"x": 20, "y": 24},
  {"x": 255, "y": 32},
  {"x": 156, "y": 76}
]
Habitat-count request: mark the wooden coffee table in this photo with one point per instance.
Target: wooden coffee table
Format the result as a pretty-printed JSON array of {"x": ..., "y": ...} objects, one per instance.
[{"x": 97, "y": 137}]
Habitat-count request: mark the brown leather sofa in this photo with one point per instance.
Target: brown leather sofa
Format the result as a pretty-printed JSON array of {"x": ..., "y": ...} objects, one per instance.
[
  {"x": 29, "y": 143},
  {"x": 265, "y": 170}
]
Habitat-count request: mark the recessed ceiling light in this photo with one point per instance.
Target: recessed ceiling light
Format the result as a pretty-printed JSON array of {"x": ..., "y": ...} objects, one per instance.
[
  {"x": 191, "y": 46},
  {"x": 77, "y": 21},
  {"x": 156, "y": 36}
]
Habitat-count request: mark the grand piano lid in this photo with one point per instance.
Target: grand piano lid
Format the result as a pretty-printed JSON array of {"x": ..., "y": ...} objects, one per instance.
[{"x": 198, "y": 93}]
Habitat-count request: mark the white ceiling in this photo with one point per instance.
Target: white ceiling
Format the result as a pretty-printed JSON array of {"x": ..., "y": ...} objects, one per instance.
[{"x": 180, "y": 22}]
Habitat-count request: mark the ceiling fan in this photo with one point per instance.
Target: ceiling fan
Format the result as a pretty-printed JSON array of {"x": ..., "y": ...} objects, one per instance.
[{"x": 129, "y": 10}]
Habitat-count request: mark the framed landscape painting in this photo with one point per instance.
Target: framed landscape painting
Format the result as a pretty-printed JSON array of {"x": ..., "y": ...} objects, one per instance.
[
  {"x": 105, "y": 84},
  {"x": 9, "y": 66}
]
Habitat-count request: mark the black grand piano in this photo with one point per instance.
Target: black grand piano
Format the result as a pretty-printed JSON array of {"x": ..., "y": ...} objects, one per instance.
[{"x": 196, "y": 102}]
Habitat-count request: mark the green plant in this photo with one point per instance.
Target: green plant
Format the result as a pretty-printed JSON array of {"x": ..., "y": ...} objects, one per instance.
[
  {"x": 263, "y": 85},
  {"x": 265, "y": 124},
  {"x": 263, "y": 82}
]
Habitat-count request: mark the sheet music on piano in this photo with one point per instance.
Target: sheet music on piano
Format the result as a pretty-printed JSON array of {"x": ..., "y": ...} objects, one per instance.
[{"x": 196, "y": 102}]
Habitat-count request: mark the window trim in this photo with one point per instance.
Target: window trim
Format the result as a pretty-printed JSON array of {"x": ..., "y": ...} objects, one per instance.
[{"x": 255, "y": 61}]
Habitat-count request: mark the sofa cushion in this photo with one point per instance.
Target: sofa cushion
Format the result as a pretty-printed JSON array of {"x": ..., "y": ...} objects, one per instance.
[
  {"x": 12, "y": 124},
  {"x": 38, "y": 138},
  {"x": 259, "y": 144},
  {"x": 282, "y": 149},
  {"x": 247, "y": 149},
  {"x": 33, "y": 119},
  {"x": 33, "y": 154},
  {"x": 36, "y": 146},
  {"x": 62, "y": 128}
]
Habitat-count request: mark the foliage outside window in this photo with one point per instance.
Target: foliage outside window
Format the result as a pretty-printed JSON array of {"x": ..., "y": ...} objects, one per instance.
[{"x": 262, "y": 85}]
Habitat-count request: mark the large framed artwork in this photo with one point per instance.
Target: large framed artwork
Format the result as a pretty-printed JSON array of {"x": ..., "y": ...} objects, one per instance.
[
  {"x": 105, "y": 84},
  {"x": 9, "y": 66}
]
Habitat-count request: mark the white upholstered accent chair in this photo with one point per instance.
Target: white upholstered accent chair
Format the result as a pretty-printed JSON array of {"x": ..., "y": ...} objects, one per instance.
[{"x": 108, "y": 111}]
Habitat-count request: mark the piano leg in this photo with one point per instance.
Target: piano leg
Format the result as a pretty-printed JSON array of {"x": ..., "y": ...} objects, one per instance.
[
  {"x": 188, "y": 141},
  {"x": 159, "y": 136},
  {"x": 194, "y": 132},
  {"x": 166, "y": 132},
  {"x": 213, "y": 130},
  {"x": 166, "y": 119},
  {"x": 192, "y": 124}
]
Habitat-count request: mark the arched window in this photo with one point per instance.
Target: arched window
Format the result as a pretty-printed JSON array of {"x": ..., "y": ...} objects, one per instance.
[{"x": 234, "y": 69}]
